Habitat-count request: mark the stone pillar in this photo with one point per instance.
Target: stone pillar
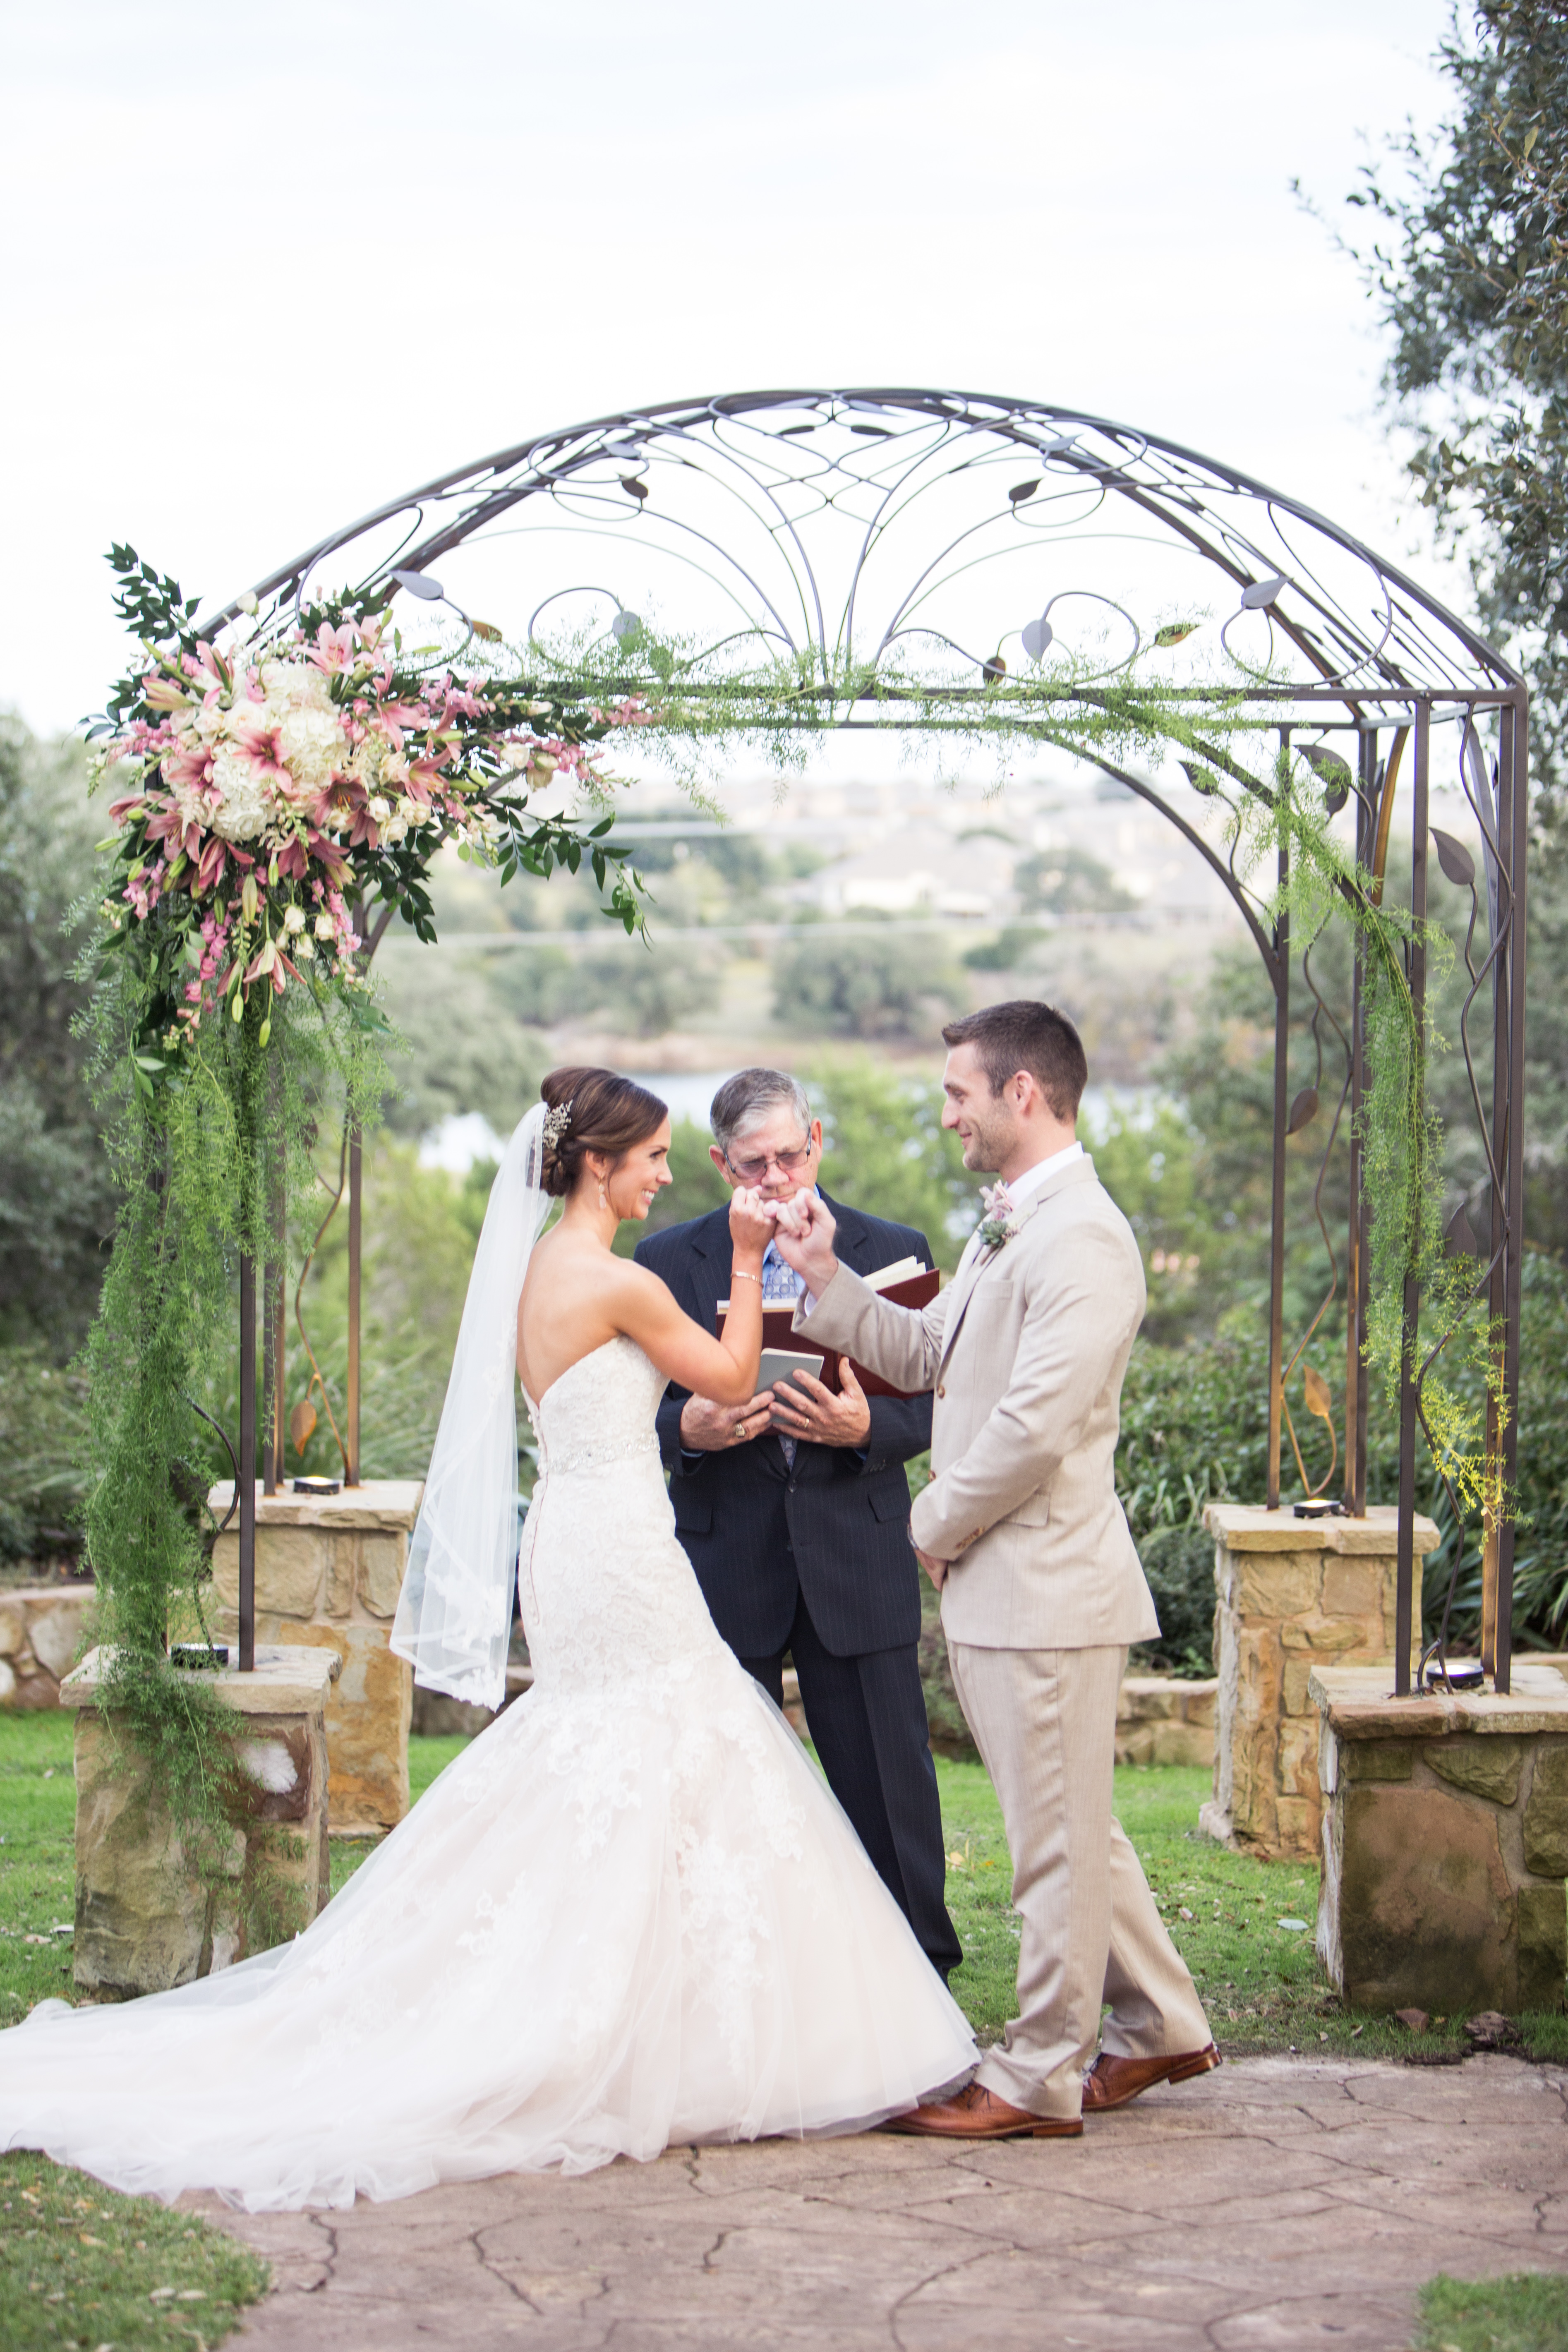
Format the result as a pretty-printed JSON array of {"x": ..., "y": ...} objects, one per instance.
[
  {"x": 1160, "y": 1719},
  {"x": 41, "y": 1630},
  {"x": 145, "y": 1919},
  {"x": 1445, "y": 1844},
  {"x": 1292, "y": 1594},
  {"x": 329, "y": 1568}
]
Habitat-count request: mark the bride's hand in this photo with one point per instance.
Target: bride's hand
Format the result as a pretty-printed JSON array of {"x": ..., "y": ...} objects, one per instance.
[
  {"x": 751, "y": 1222},
  {"x": 804, "y": 1237}
]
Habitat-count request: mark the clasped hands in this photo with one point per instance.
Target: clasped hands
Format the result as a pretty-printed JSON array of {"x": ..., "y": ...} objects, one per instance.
[{"x": 801, "y": 1408}]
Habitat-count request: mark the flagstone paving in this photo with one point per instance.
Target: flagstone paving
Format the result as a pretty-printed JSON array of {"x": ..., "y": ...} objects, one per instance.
[{"x": 1277, "y": 2204}]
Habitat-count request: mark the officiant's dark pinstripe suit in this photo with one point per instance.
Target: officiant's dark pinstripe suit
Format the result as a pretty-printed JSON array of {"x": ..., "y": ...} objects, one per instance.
[{"x": 814, "y": 1559}]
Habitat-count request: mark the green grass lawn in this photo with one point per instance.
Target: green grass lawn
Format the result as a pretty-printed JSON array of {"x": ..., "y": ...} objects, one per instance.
[{"x": 1527, "y": 2313}]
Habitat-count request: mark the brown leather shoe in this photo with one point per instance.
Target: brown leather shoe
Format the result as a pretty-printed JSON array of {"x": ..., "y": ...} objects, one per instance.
[
  {"x": 977, "y": 2114},
  {"x": 1113, "y": 2081}
]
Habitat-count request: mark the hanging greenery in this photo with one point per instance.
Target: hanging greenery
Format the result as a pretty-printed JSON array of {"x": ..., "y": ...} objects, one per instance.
[{"x": 269, "y": 791}]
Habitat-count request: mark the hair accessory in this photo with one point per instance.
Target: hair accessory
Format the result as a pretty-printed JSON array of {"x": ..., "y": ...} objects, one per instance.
[{"x": 556, "y": 1123}]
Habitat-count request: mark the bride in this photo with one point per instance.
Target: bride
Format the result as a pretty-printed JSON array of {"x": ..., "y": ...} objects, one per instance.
[{"x": 630, "y": 1914}]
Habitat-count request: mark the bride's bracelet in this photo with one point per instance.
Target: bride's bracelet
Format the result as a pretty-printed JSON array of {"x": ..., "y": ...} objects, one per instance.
[{"x": 739, "y": 1273}]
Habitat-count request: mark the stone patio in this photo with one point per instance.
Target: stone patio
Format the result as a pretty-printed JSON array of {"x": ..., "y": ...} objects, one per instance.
[{"x": 1279, "y": 2204}]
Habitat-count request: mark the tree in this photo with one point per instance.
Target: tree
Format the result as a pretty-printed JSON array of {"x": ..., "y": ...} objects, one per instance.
[
  {"x": 864, "y": 985},
  {"x": 1473, "y": 283},
  {"x": 57, "y": 1202}
]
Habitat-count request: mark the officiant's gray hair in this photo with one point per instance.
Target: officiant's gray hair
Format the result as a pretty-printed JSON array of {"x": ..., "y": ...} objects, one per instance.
[{"x": 743, "y": 1101}]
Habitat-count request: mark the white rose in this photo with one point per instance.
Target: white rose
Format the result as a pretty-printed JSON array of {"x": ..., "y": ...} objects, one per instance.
[
  {"x": 395, "y": 830},
  {"x": 294, "y": 919},
  {"x": 380, "y": 810},
  {"x": 305, "y": 949},
  {"x": 325, "y": 928}
]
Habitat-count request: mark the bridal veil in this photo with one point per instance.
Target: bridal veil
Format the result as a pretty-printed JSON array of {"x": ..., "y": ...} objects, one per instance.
[{"x": 454, "y": 1617}]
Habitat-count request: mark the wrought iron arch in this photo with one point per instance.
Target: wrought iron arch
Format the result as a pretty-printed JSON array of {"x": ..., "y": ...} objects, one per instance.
[{"x": 885, "y": 540}]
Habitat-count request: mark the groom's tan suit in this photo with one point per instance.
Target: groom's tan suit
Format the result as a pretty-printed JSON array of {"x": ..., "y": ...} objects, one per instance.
[{"x": 1025, "y": 1350}]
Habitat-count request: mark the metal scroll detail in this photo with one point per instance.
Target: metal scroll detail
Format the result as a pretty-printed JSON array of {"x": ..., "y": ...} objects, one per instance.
[{"x": 900, "y": 535}]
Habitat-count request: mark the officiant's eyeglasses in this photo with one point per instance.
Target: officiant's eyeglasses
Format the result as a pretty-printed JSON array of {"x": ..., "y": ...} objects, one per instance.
[{"x": 788, "y": 1163}]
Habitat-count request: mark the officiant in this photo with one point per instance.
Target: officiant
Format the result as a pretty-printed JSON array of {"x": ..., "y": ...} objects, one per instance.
[{"x": 794, "y": 1511}]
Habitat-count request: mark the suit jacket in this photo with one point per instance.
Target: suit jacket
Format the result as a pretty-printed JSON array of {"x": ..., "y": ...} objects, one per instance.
[
  {"x": 836, "y": 1526},
  {"x": 1025, "y": 1350}
]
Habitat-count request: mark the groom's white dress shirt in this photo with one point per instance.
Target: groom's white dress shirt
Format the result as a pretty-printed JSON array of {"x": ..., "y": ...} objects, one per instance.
[{"x": 1019, "y": 1187}]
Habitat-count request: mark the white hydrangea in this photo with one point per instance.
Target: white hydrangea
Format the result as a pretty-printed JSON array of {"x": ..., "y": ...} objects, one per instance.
[{"x": 247, "y": 801}]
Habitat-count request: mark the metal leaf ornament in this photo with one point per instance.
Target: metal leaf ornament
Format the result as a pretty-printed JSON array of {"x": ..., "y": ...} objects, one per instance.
[
  {"x": 994, "y": 670},
  {"x": 1334, "y": 771},
  {"x": 420, "y": 584},
  {"x": 1258, "y": 594},
  {"x": 1458, "y": 1240},
  {"x": 1455, "y": 859},
  {"x": 1037, "y": 637},
  {"x": 1021, "y": 491},
  {"x": 1303, "y": 1111},
  {"x": 1173, "y": 632},
  {"x": 1202, "y": 780},
  {"x": 301, "y": 1422},
  {"x": 1318, "y": 1401}
]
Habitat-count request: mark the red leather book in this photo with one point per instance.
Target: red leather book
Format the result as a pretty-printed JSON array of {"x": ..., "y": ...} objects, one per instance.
[{"x": 916, "y": 1290}]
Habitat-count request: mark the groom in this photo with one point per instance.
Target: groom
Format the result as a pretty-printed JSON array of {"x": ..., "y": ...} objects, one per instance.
[
  {"x": 1021, "y": 1532},
  {"x": 794, "y": 1514}
]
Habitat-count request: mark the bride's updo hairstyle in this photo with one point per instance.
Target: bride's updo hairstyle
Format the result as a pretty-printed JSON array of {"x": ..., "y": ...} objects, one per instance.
[{"x": 608, "y": 1114}]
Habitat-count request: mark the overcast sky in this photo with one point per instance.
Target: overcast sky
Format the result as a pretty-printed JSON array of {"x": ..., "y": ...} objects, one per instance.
[{"x": 265, "y": 267}]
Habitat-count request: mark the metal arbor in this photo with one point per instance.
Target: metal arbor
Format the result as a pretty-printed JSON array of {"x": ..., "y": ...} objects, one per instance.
[{"x": 921, "y": 539}]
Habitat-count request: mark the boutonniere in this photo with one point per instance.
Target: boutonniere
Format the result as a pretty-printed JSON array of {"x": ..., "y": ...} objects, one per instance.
[{"x": 1001, "y": 1221}]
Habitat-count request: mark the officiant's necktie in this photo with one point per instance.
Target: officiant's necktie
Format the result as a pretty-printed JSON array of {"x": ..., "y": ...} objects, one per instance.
[{"x": 781, "y": 1287}]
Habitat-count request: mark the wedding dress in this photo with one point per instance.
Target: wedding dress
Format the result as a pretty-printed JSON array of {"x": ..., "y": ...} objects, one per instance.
[{"x": 629, "y": 1914}]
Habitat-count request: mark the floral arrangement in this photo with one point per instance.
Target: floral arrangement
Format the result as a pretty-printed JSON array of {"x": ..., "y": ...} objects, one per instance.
[
  {"x": 1001, "y": 1222},
  {"x": 269, "y": 785}
]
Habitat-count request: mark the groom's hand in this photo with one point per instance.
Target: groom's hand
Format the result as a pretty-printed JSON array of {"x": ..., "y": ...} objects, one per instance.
[
  {"x": 803, "y": 1237},
  {"x": 935, "y": 1568}
]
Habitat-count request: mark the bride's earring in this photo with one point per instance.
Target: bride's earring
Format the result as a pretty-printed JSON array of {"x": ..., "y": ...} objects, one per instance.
[{"x": 603, "y": 1203}]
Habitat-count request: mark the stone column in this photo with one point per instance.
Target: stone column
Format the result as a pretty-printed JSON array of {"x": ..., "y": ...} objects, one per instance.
[
  {"x": 1445, "y": 1842},
  {"x": 145, "y": 1919},
  {"x": 329, "y": 1568},
  {"x": 41, "y": 1630},
  {"x": 1292, "y": 1594}
]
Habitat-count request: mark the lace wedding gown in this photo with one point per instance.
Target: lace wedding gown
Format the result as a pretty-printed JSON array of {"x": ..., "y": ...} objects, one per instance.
[{"x": 629, "y": 1914}]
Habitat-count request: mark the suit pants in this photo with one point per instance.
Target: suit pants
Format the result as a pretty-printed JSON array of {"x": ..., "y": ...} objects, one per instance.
[
  {"x": 866, "y": 1716},
  {"x": 1044, "y": 1723}
]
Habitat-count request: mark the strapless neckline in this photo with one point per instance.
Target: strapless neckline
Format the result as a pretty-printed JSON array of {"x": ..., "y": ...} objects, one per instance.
[{"x": 536, "y": 1404}]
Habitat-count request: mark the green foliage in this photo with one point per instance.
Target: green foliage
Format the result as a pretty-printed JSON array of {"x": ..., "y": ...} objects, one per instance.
[
  {"x": 697, "y": 1188},
  {"x": 864, "y": 984},
  {"x": 204, "y": 1162},
  {"x": 57, "y": 1205},
  {"x": 1178, "y": 1562},
  {"x": 42, "y": 1435},
  {"x": 1067, "y": 881},
  {"x": 886, "y": 1150},
  {"x": 1012, "y": 947},
  {"x": 1148, "y": 1163},
  {"x": 1525, "y": 2313},
  {"x": 1472, "y": 284}
]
